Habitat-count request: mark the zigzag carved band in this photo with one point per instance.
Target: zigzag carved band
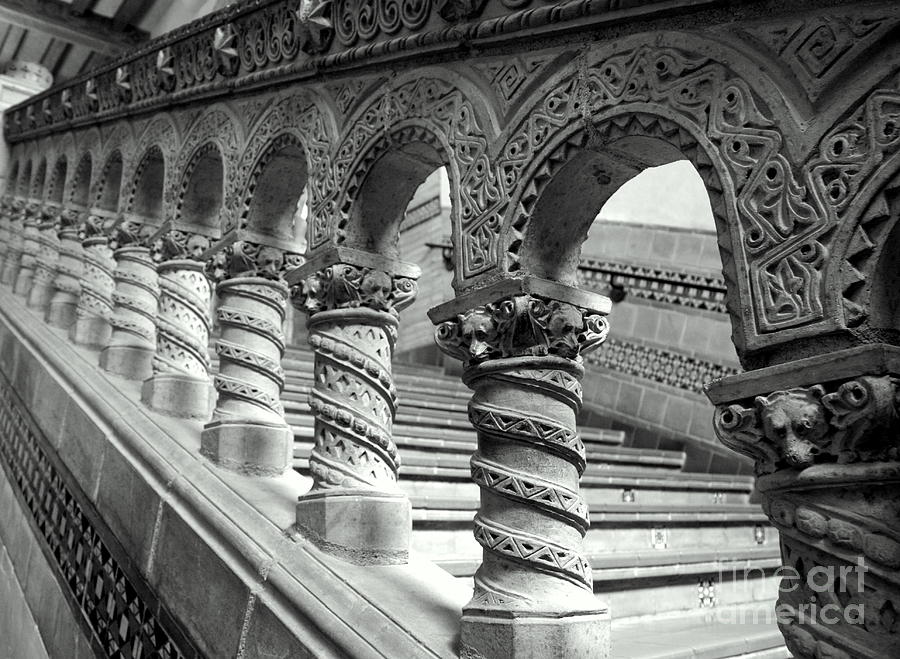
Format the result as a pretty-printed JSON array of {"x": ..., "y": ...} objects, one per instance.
[
  {"x": 539, "y": 553},
  {"x": 531, "y": 490},
  {"x": 529, "y": 427}
]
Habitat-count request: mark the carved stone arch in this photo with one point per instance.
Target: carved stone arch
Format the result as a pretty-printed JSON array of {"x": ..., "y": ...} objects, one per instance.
[
  {"x": 160, "y": 138},
  {"x": 770, "y": 247},
  {"x": 56, "y": 180},
  {"x": 12, "y": 178},
  {"x": 24, "y": 183},
  {"x": 217, "y": 128},
  {"x": 300, "y": 121},
  {"x": 448, "y": 120},
  {"x": 87, "y": 162},
  {"x": 39, "y": 176}
]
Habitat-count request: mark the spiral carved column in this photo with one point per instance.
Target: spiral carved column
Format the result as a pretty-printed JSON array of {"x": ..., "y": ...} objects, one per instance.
[
  {"x": 180, "y": 385},
  {"x": 533, "y": 591},
  {"x": 31, "y": 235},
  {"x": 827, "y": 458},
  {"x": 132, "y": 343},
  {"x": 7, "y": 208},
  {"x": 16, "y": 244},
  {"x": 355, "y": 508},
  {"x": 62, "y": 310},
  {"x": 47, "y": 260},
  {"x": 94, "y": 312}
]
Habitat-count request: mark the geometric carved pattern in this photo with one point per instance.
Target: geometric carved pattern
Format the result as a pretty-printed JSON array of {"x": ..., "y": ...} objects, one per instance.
[
  {"x": 97, "y": 283},
  {"x": 183, "y": 323},
  {"x": 115, "y": 606},
  {"x": 135, "y": 300}
]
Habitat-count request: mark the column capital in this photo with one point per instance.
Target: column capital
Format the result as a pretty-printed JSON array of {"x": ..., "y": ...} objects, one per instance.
[
  {"x": 132, "y": 231},
  {"x": 242, "y": 258},
  {"x": 170, "y": 244},
  {"x": 837, "y": 408},
  {"x": 346, "y": 278},
  {"x": 521, "y": 318}
]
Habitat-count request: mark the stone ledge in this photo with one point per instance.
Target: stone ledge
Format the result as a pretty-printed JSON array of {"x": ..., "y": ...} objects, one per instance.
[{"x": 238, "y": 527}]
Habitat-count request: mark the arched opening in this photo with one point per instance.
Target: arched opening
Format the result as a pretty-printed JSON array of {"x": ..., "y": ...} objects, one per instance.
[
  {"x": 13, "y": 179},
  {"x": 884, "y": 298},
  {"x": 277, "y": 192},
  {"x": 81, "y": 184},
  {"x": 147, "y": 194},
  {"x": 203, "y": 189},
  {"x": 37, "y": 186},
  {"x": 110, "y": 184},
  {"x": 25, "y": 181},
  {"x": 57, "y": 181},
  {"x": 380, "y": 204}
]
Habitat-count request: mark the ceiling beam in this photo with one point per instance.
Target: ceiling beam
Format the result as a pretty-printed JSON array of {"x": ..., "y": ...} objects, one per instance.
[{"x": 55, "y": 19}]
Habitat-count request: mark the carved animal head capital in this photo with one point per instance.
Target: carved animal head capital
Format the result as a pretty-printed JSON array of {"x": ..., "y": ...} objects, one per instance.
[
  {"x": 91, "y": 226},
  {"x": 179, "y": 245},
  {"x": 345, "y": 286},
  {"x": 523, "y": 325},
  {"x": 246, "y": 259},
  {"x": 314, "y": 28},
  {"x": 853, "y": 421},
  {"x": 454, "y": 11}
]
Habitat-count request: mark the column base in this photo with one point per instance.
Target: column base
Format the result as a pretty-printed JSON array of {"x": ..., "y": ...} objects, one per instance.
[
  {"x": 39, "y": 296},
  {"x": 91, "y": 332},
  {"x": 128, "y": 362},
  {"x": 62, "y": 315},
  {"x": 178, "y": 395},
  {"x": 253, "y": 449},
  {"x": 517, "y": 635},
  {"x": 24, "y": 279},
  {"x": 364, "y": 527}
]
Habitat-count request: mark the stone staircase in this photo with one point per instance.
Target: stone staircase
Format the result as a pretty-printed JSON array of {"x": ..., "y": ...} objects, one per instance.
[{"x": 664, "y": 543}]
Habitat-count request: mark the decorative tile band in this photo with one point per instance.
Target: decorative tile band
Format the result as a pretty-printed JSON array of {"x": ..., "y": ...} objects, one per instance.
[
  {"x": 687, "y": 289},
  {"x": 670, "y": 368},
  {"x": 113, "y": 604}
]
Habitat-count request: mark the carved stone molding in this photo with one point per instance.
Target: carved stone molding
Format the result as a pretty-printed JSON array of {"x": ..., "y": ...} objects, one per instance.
[
  {"x": 95, "y": 305},
  {"x": 824, "y": 434},
  {"x": 132, "y": 343},
  {"x": 180, "y": 383},
  {"x": 353, "y": 299},
  {"x": 522, "y": 354},
  {"x": 248, "y": 432}
]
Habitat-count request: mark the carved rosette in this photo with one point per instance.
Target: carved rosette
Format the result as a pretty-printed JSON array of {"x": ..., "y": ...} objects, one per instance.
[
  {"x": 135, "y": 305},
  {"x": 523, "y": 361},
  {"x": 827, "y": 460},
  {"x": 95, "y": 304},
  {"x": 31, "y": 234},
  {"x": 183, "y": 322},
  {"x": 67, "y": 283},
  {"x": 353, "y": 330},
  {"x": 47, "y": 259}
]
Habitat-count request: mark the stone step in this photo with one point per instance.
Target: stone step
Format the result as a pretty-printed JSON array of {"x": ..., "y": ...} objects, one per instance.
[{"x": 745, "y": 631}]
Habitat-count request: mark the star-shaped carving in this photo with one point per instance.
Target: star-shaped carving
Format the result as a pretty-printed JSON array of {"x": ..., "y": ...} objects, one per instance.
[
  {"x": 165, "y": 69},
  {"x": 315, "y": 28},
  {"x": 224, "y": 43}
]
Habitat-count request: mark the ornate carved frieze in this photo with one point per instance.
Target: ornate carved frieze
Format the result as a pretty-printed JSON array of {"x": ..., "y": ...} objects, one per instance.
[
  {"x": 522, "y": 354},
  {"x": 684, "y": 288}
]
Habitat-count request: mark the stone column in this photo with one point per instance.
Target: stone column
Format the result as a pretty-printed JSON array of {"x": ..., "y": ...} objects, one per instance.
[
  {"x": 16, "y": 243},
  {"x": 248, "y": 432},
  {"x": 355, "y": 508},
  {"x": 180, "y": 384},
  {"x": 825, "y": 434},
  {"x": 92, "y": 316},
  {"x": 521, "y": 343},
  {"x": 132, "y": 342},
  {"x": 61, "y": 312},
  {"x": 47, "y": 259},
  {"x": 31, "y": 234},
  {"x": 6, "y": 211}
]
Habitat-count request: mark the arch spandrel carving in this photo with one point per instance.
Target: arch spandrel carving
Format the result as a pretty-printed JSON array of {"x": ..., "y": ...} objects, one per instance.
[
  {"x": 217, "y": 126},
  {"x": 87, "y": 145},
  {"x": 442, "y": 110},
  {"x": 117, "y": 140}
]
